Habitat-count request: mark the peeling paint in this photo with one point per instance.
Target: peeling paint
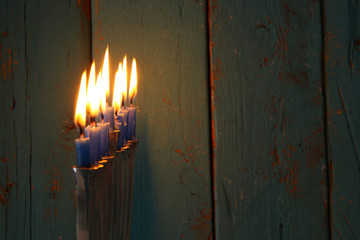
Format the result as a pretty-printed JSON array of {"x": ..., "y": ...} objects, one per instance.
[
  {"x": 85, "y": 7},
  {"x": 201, "y": 221},
  {"x": 6, "y": 67},
  {"x": 5, "y": 192}
]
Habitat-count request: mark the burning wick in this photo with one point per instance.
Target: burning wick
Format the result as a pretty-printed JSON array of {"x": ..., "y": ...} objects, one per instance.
[
  {"x": 131, "y": 101},
  {"x": 122, "y": 101},
  {"x": 81, "y": 129},
  {"x": 92, "y": 121}
]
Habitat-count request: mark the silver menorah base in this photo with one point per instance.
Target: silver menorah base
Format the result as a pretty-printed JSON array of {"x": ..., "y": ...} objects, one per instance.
[{"x": 104, "y": 195}]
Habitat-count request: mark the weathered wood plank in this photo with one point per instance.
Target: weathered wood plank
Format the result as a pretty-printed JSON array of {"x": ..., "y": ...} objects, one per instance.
[
  {"x": 44, "y": 51},
  {"x": 15, "y": 188},
  {"x": 268, "y": 127},
  {"x": 168, "y": 39},
  {"x": 59, "y": 49},
  {"x": 342, "y": 74}
]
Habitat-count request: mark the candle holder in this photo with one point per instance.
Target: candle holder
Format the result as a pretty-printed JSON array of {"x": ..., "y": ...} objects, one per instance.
[
  {"x": 104, "y": 194},
  {"x": 113, "y": 141},
  {"x": 131, "y": 168},
  {"x": 86, "y": 181}
]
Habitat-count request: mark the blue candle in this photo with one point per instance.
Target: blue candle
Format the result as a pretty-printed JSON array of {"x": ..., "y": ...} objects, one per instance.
[
  {"x": 82, "y": 144},
  {"x": 83, "y": 152},
  {"x": 109, "y": 117},
  {"x": 104, "y": 138},
  {"x": 131, "y": 121},
  {"x": 122, "y": 126},
  {"x": 119, "y": 126},
  {"x": 94, "y": 137},
  {"x": 122, "y": 117}
]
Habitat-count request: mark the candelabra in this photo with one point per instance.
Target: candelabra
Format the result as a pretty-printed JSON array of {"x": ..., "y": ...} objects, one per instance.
[{"x": 104, "y": 193}]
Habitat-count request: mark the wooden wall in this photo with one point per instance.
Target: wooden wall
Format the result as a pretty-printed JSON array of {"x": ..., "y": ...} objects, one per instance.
[
  {"x": 268, "y": 120},
  {"x": 169, "y": 41},
  {"x": 44, "y": 47},
  {"x": 247, "y": 115},
  {"x": 341, "y": 36}
]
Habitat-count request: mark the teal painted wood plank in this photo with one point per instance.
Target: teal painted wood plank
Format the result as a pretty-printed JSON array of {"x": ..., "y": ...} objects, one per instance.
[
  {"x": 342, "y": 73},
  {"x": 49, "y": 44},
  {"x": 15, "y": 188},
  {"x": 268, "y": 120},
  {"x": 59, "y": 40},
  {"x": 168, "y": 39}
]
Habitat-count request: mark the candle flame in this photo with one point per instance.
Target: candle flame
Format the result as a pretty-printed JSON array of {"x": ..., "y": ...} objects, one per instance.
[
  {"x": 100, "y": 88},
  {"x": 133, "y": 82},
  {"x": 105, "y": 73},
  {"x": 93, "y": 97},
  {"x": 123, "y": 82},
  {"x": 80, "y": 113},
  {"x": 117, "y": 90}
]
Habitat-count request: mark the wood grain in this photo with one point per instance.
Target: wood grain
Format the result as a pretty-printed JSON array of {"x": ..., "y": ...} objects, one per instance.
[
  {"x": 44, "y": 47},
  {"x": 284, "y": 115},
  {"x": 168, "y": 40},
  {"x": 342, "y": 72},
  {"x": 268, "y": 124},
  {"x": 15, "y": 187}
]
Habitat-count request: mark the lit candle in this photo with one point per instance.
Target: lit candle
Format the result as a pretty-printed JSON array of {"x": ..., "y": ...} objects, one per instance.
[
  {"x": 131, "y": 119},
  {"x": 82, "y": 144},
  {"x": 104, "y": 138},
  {"x": 109, "y": 117},
  {"x": 92, "y": 131},
  {"x": 117, "y": 90},
  {"x": 123, "y": 112},
  {"x": 108, "y": 111},
  {"x": 104, "y": 126},
  {"x": 120, "y": 124},
  {"x": 118, "y": 103}
]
